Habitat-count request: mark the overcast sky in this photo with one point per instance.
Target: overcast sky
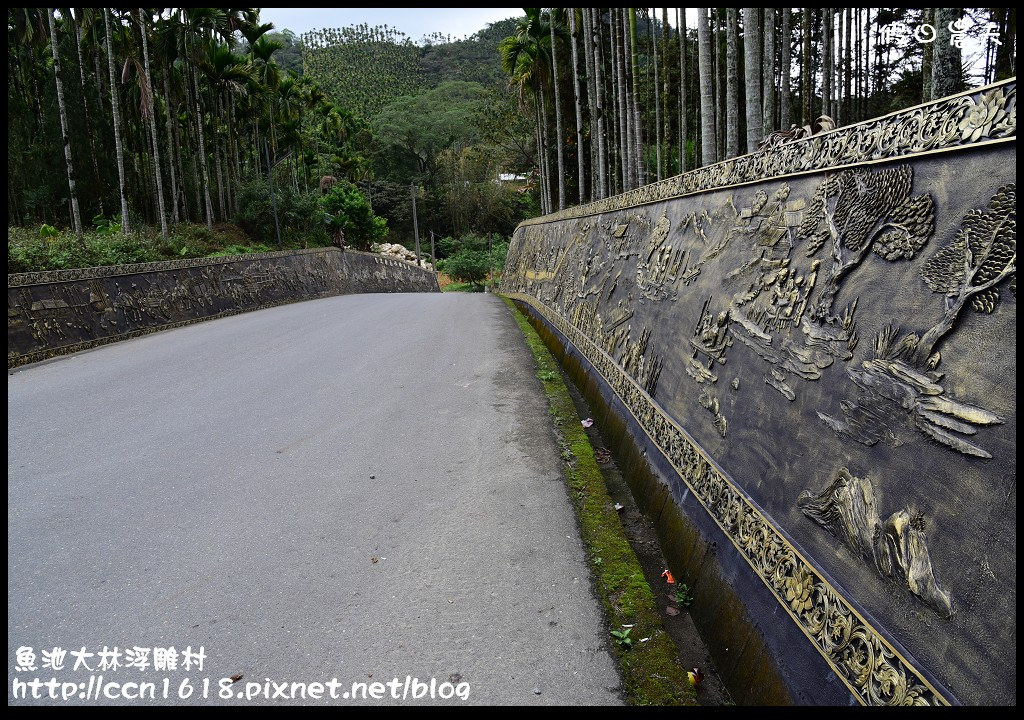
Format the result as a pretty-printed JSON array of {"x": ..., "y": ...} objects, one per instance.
[{"x": 414, "y": 22}]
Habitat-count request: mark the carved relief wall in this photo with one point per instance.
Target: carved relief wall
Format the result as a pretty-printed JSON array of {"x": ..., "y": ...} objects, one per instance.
[
  {"x": 54, "y": 313},
  {"x": 821, "y": 340}
]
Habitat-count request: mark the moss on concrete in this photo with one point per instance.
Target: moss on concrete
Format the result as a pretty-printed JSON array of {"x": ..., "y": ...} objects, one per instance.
[{"x": 651, "y": 671}]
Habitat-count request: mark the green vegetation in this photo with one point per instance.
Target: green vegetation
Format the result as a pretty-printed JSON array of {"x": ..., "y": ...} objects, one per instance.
[
  {"x": 683, "y": 596},
  {"x": 622, "y": 638},
  {"x": 298, "y": 213},
  {"x": 469, "y": 261},
  {"x": 209, "y": 116},
  {"x": 170, "y": 118},
  {"x": 29, "y": 251},
  {"x": 362, "y": 67},
  {"x": 347, "y": 211},
  {"x": 470, "y": 266},
  {"x": 178, "y": 116},
  {"x": 440, "y": 118},
  {"x": 650, "y": 668}
]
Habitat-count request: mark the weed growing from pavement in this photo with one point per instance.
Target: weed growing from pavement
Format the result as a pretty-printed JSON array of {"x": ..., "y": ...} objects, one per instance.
[{"x": 683, "y": 595}]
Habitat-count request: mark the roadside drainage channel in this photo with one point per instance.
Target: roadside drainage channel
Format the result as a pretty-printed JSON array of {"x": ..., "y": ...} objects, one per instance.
[
  {"x": 648, "y": 657},
  {"x": 671, "y": 598},
  {"x": 746, "y": 665}
]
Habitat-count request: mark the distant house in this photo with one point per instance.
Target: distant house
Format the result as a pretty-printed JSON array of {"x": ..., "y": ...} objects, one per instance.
[{"x": 511, "y": 177}]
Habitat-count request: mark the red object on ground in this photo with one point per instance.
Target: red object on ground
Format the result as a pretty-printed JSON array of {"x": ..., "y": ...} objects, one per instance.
[{"x": 668, "y": 577}]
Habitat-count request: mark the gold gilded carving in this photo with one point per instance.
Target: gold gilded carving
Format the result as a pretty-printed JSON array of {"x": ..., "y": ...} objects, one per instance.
[
  {"x": 710, "y": 403},
  {"x": 897, "y": 548},
  {"x": 657, "y": 271},
  {"x": 858, "y": 211},
  {"x": 968, "y": 270},
  {"x": 899, "y": 385},
  {"x": 823, "y": 124},
  {"x": 710, "y": 339},
  {"x": 874, "y": 671},
  {"x": 987, "y": 114}
]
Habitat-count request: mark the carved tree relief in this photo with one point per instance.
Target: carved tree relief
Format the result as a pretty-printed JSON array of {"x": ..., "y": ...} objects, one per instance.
[
  {"x": 858, "y": 211},
  {"x": 969, "y": 269},
  {"x": 901, "y": 380}
]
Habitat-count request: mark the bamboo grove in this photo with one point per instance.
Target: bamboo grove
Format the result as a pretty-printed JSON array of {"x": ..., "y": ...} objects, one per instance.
[
  {"x": 620, "y": 97},
  {"x": 163, "y": 114}
]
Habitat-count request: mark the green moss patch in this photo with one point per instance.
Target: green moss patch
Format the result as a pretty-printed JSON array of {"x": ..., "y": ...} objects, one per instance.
[{"x": 651, "y": 670}]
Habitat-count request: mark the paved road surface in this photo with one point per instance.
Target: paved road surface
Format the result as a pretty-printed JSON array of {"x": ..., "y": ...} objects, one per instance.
[{"x": 228, "y": 484}]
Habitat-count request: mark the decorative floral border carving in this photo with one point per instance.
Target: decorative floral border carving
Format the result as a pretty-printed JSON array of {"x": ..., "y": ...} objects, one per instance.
[
  {"x": 57, "y": 276},
  {"x": 978, "y": 116},
  {"x": 874, "y": 671}
]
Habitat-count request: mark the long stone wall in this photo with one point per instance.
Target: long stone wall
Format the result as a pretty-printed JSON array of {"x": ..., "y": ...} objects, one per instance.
[
  {"x": 814, "y": 348},
  {"x": 64, "y": 311}
]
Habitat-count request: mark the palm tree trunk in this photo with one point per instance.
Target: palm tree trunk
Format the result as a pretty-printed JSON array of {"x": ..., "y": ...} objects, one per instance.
[
  {"x": 657, "y": 96},
  {"x": 235, "y": 142},
  {"x": 683, "y": 135},
  {"x": 76, "y": 218},
  {"x": 171, "y": 148},
  {"x": 752, "y": 56},
  {"x": 577, "y": 92},
  {"x": 848, "y": 67},
  {"x": 718, "y": 21},
  {"x": 88, "y": 119},
  {"x": 622, "y": 117},
  {"x": 785, "y": 110},
  {"x": 858, "y": 92},
  {"x": 192, "y": 141},
  {"x": 559, "y": 138},
  {"x": 588, "y": 64},
  {"x": 627, "y": 94},
  {"x": 601, "y": 104},
  {"x": 666, "y": 134},
  {"x": 826, "y": 73},
  {"x": 805, "y": 82},
  {"x": 202, "y": 152},
  {"x": 215, "y": 148},
  {"x": 1006, "y": 53},
  {"x": 732, "y": 91},
  {"x": 708, "y": 154},
  {"x": 540, "y": 156},
  {"x": 946, "y": 58},
  {"x": 116, "y": 110},
  {"x": 148, "y": 90},
  {"x": 547, "y": 150},
  {"x": 632, "y": 92},
  {"x": 768, "y": 124},
  {"x": 837, "y": 81}
]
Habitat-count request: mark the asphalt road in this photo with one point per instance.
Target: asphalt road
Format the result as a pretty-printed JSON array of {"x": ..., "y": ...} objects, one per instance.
[{"x": 363, "y": 488}]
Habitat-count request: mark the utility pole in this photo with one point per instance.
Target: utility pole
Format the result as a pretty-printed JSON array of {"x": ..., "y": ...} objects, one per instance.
[
  {"x": 415, "y": 222},
  {"x": 490, "y": 259},
  {"x": 433, "y": 256}
]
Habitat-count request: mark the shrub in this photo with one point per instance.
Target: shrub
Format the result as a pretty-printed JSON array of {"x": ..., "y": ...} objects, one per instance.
[
  {"x": 346, "y": 209},
  {"x": 467, "y": 265},
  {"x": 29, "y": 252},
  {"x": 241, "y": 250},
  {"x": 299, "y": 215}
]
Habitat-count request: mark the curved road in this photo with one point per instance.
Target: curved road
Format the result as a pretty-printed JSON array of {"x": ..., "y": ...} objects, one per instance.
[{"x": 363, "y": 487}]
